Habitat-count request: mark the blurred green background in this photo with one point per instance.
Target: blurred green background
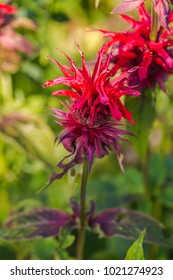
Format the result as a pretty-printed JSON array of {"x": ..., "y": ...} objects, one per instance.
[{"x": 27, "y": 152}]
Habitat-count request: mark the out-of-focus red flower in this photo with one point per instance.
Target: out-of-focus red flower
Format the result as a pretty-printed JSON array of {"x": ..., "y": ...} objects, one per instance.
[
  {"x": 88, "y": 90},
  {"x": 153, "y": 59},
  {"x": 6, "y": 9},
  {"x": 161, "y": 8},
  {"x": 6, "y": 14},
  {"x": 12, "y": 42}
]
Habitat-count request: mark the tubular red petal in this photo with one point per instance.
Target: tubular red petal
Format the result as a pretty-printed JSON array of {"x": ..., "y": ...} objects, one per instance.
[{"x": 66, "y": 92}]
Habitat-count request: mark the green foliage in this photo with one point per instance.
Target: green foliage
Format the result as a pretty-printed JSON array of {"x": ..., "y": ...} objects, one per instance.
[
  {"x": 7, "y": 252},
  {"x": 135, "y": 252},
  {"x": 143, "y": 114},
  {"x": 166, "y": 196},
  {"x": 45, "y": 249},
  {"x": 156, "y": 171},
  {"x": 65, "y": 239},
  {"x": 128, "y": 224}
]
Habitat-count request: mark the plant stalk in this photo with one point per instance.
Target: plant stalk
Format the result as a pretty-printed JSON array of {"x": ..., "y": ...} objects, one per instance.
[
  {"x": 154, "y": 24},
  {"x": 81, "y": 232},
  {"x": 156, "y": 210}
]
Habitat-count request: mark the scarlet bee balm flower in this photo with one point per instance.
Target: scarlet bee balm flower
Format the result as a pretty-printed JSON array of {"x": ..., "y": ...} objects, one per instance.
[
  {"x": 135, "y": 48},
  {"x": 93, "y": 114},
  {"x": 7, "y": 9},
  {"x": 11, "y": 41},
  {"x": 87, "y": 91},
  {"x": 161, "y": 7}
]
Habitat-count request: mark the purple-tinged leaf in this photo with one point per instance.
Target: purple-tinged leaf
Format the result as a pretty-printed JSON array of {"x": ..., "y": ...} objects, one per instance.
[
  {"x": 43, "y": 222},
  {"x": 106, "y": 221},
  {"x": 162, "y": 9},
  {"x": 126, "y": 6},
  {"x": 129, "y": 224}
]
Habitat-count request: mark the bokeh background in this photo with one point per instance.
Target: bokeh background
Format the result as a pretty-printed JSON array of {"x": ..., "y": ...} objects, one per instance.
[{"x": 27, "y": 132}]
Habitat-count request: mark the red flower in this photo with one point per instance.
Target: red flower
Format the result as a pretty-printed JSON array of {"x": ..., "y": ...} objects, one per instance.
[
  {"x": 87, "y": 91},
  {"x": 11, "y": 42},
  {"x": 6, "y": 14},
  {"x": 84, "y": 140},
  {"x": 153, "y": 59},
  {"x": 161, "y": 8},
  {"x": 6, "y": 9}
]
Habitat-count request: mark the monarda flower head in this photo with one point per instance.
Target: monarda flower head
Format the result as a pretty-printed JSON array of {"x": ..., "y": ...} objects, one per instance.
[
  {"x": 88, "y": 90},
  {"x": 93, "y": 113},
  {"x": 161, "y": 7},
  {"x": 152, "y": 57},
  {"x": 11, "y": 42}
]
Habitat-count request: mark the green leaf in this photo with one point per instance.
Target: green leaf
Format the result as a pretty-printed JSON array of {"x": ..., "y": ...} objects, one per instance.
[
  {"x": 68, "y": 241},
  {"x": 166, "y": 197},
  {"x": 31, "y": 133},
  {"x": 135, "y": 252},
  {"x": 60, "y": 16},
  {"x": 168, "y": 166},
  {"x": 156, "y": 171},
  {"x": 131, "y": 182},
  {"x": 65, "y": 239},
  {"x": 44, "y": 249},
  {"x": 143, "y": 114}
]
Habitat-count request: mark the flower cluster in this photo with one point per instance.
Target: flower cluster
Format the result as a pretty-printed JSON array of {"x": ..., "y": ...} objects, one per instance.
[
  {"x": 129, "y": 62},
  {"x": 152, "y": 54},
  {"x": 161, "y": 7},
  {"x": 11, "y": 42}
]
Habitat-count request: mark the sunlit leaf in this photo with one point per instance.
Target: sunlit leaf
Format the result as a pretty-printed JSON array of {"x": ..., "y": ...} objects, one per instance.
[
  {"x": 32, "y": 70},
  {"x": 127, "y": 5},
  {"x": 65, "y": 239},
  {"x": 135, "y": 252},
  {"x": 7, "y": 252},
  {"x": 97, "y": 3},
  {"x": 31, "y": 133},
  {"x": 44, "y": 249}
]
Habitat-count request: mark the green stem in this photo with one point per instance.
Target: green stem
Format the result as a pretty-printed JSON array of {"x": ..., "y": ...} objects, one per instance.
[
  {"x": 145, "y": 175},
  {"x": 154, "y": 24},
  {"x": 156, "y": 210},
  {"x": 81, "y": 233}
]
